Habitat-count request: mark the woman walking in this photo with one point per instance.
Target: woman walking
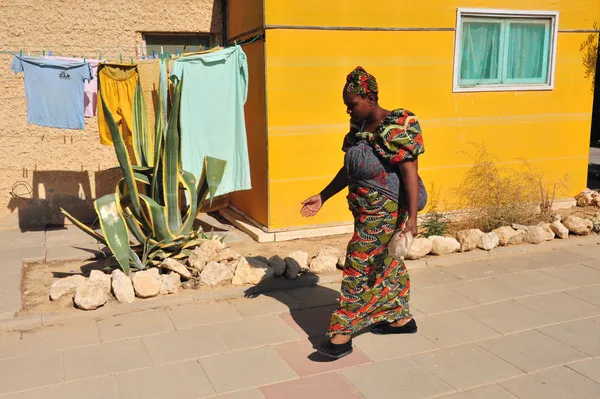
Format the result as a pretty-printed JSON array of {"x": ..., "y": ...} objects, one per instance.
[{"x": 385, "y": 193}]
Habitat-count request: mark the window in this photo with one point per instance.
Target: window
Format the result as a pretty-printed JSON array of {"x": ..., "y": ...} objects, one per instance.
[
  {"x": 500, "y": 50},
  {"x": 176, "y": 42}
]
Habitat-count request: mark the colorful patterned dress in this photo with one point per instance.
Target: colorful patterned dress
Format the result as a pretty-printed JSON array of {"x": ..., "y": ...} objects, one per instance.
[{"x": 375, "y": 286}]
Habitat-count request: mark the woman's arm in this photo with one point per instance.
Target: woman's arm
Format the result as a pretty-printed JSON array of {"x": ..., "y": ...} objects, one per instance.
[
  {"x": 410, "y": 178},
  {"x": 312, "y": 205}
]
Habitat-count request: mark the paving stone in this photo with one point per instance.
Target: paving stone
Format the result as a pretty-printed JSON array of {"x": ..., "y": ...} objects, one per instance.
[
  {"x": 493, "y": 267},
  {"x": 50, "y": 339},
  {"x": 385, "y": 347},
  {"x": 311, "y": 322},
  {"x": 594, "y": 264},
  {"x": 507, "y": 317},
  {"x": 184, "y": 380},
  {"x": 10, "y": 282},
  {"x": 132, "y": 325},
  {"x": 302, "y": 357},
  {"x": 109, "y": 358},
  {"x": 320, "y": 295},
  {"x": 439, "y": 299},
  {"x": 582, "y": 335},
  {"x": 575, "y": 273},
  {"x": 487, "y": 392},
  {"x": 431, "y": 277},
  {"x": 454, "y": 328},
  {"x": 257, "y": 331},
  {"x": 589, "y": 250},
  {"x": 589, "y": 294},
  {"x": 487, "y": 290},
  {"x": 466, "y": 366},
  {"x": 185, "y": 344},
  {"x": 266, "y": 304},
  {"x": 558, "y": 257},
  {"x": 10, "y": 301},
  {"x": 16, "y": 239},
  {"x": 534, "y": 282},
  {"x": 198, "y": 314},
  {"x": 16, "y": 256},
  {"x": 330, "y": 386},
  {"x": 590, "y": 369},
  {"x": 416, "y": 381},
  {"x": 531, "y": 351},
  {"x": 245, "y": 394},
  {"x": 67, "y": 235},
  {"x": 246, "y": 369},
  {"x": 21, "y": 373},
  {"x": 74, "y": 252},
  {"x": 10, "y": 343},
  {"x": 95, "y": 388},
  {"x": 557, "y": 383},
  {"x": 560, "y": 306}
]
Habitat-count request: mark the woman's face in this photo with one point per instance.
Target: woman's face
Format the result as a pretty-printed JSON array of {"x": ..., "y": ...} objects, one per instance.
[{"x": 357, "y": 106}]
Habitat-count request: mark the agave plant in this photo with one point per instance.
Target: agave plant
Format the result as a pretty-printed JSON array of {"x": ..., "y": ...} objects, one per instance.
[{"x": 146, "y": 205}]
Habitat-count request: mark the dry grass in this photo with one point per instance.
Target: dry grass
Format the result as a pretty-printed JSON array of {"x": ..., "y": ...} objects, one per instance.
[{"x": 494, "y": 195}]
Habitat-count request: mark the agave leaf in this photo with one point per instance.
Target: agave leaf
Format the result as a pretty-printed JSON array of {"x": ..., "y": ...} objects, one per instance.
[
  {"x": 123, "y": 157},
  {"x": 184, "y": 254},
  {"x": 114, "y": 229},
  {"x": 92, "y": 233},
  {"x": 193, "y": 243},
  {"x": 160, "y": 230},
  {"x": 170, "y": 161},
  {"x": 212, "y": 174},
  {"x": 141, "y": 139},
  {"x": 188, "y": 181}
]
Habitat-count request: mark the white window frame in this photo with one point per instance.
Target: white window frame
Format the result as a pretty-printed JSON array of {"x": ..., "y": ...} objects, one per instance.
[{"x": 527, "y": 16}]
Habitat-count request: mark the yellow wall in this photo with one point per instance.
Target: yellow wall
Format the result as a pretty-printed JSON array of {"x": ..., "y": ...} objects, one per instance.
[
  {"x": 306, "y": 71},
  {"x": 254, "y": 203}
]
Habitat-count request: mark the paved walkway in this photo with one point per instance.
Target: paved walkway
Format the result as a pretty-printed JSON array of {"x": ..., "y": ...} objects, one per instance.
[{"x": 524, "y": 326}]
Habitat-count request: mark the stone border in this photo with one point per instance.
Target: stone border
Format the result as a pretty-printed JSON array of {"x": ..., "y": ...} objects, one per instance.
[{"x": 21, "y": 323}]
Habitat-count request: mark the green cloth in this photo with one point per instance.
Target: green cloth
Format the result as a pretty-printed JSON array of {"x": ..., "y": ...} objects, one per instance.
[{"x": 215, "y": 89}]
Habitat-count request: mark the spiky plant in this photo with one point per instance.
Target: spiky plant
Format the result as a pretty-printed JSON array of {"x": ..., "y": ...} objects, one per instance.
[{"x": 146, "y": 202}]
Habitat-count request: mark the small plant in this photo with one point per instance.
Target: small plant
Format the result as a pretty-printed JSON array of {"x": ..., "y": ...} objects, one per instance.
[
  {"x": 147, "y": 202},
  {"x": 434, "y": 223},
  {"x": 494, "y": 195}
]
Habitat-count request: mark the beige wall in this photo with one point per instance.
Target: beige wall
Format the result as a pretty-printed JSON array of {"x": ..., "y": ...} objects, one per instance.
[{"x": 50, "y": 168}]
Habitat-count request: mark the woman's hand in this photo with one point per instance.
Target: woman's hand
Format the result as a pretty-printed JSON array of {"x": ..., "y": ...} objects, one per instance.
[
  {"x": 411, "y": 226},
  {"x": 311, "y": 206}
]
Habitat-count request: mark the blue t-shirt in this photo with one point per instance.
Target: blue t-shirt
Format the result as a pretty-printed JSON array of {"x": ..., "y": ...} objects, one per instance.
[{"x": 54, "y": 90}]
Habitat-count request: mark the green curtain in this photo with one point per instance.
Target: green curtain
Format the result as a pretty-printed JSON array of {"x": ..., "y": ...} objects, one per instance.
[
  {"x": 527, "y": 51},
  {"x": 480, "y": 51}
]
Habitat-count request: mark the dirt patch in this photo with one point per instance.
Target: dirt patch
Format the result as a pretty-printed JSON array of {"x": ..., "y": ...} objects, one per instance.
[{"x": 38, "y": 277}]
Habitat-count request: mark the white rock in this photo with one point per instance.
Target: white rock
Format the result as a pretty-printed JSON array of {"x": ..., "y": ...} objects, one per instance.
[
  {"x": 505, "y": 234},
  {"x": 579, "y": 226},
  {"x": 146, "y": 283},
  {"x": 122, "y": 287},
  {"x": 215, "y": 274},
  {"x": 517, "y": 226},
  {"x": 535, "y": 235},
  {"x": 170, "y": 283},
  {"x": 342, "y": 260},
  {"x": 420, "y": 248},
  {"x": 548, "y": 232},
  {"x": 277, "y": 264},
  {"x": 300, "y": 257},
  {"x": 251, "y": 273},
  {"x": 197, "y": 259},
  {"x": 90, "y": 295},
  {"x": 177, "y": 267},
  {"x": 329, "y": 251},
  {"x": 559, "y": 229},
  {"x": 519, "y": 237},
  {"x": 225, "y": 255},
  {"x": 488, "y": 241},
  {"x": 96, "y": 276},
  {"x": 65, "y": 285},
  {"x": 444, "y": 245},
  {"x": 323, "y": 264},
  {"x": 211, "y": 246},
  {"x": 556, "y": 217},
  {"x": 468, "y": 239}
]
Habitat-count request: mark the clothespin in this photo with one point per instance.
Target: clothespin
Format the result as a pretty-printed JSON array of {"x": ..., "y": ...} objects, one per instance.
[
  {"x": 153, "y": 54},
  {"x": 176, "y": 51},
  {"x": 121, "y": 58},
  {"x": 100, "y": 57},
  {"x": 49, "y": 53},
  {"x": 43, "y": 53},
  {"x": 161, "y": 50},
  {"x": 131, "y": 60},
  {"x": 20, "y": 53}
]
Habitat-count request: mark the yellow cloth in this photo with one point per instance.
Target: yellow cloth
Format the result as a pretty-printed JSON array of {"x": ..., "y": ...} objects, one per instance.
[
  {"x": 116, "y": 84},
  {"x": 149, "y": 71}
]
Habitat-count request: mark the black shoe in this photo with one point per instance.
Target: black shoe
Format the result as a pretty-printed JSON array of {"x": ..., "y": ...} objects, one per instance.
[
  {"x": 335, "y": 351},
  {"x": 387, "y": 328}
]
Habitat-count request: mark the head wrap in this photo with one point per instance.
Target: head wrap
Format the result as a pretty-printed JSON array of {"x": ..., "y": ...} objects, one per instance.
[{"x": 360, "y": 81}]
